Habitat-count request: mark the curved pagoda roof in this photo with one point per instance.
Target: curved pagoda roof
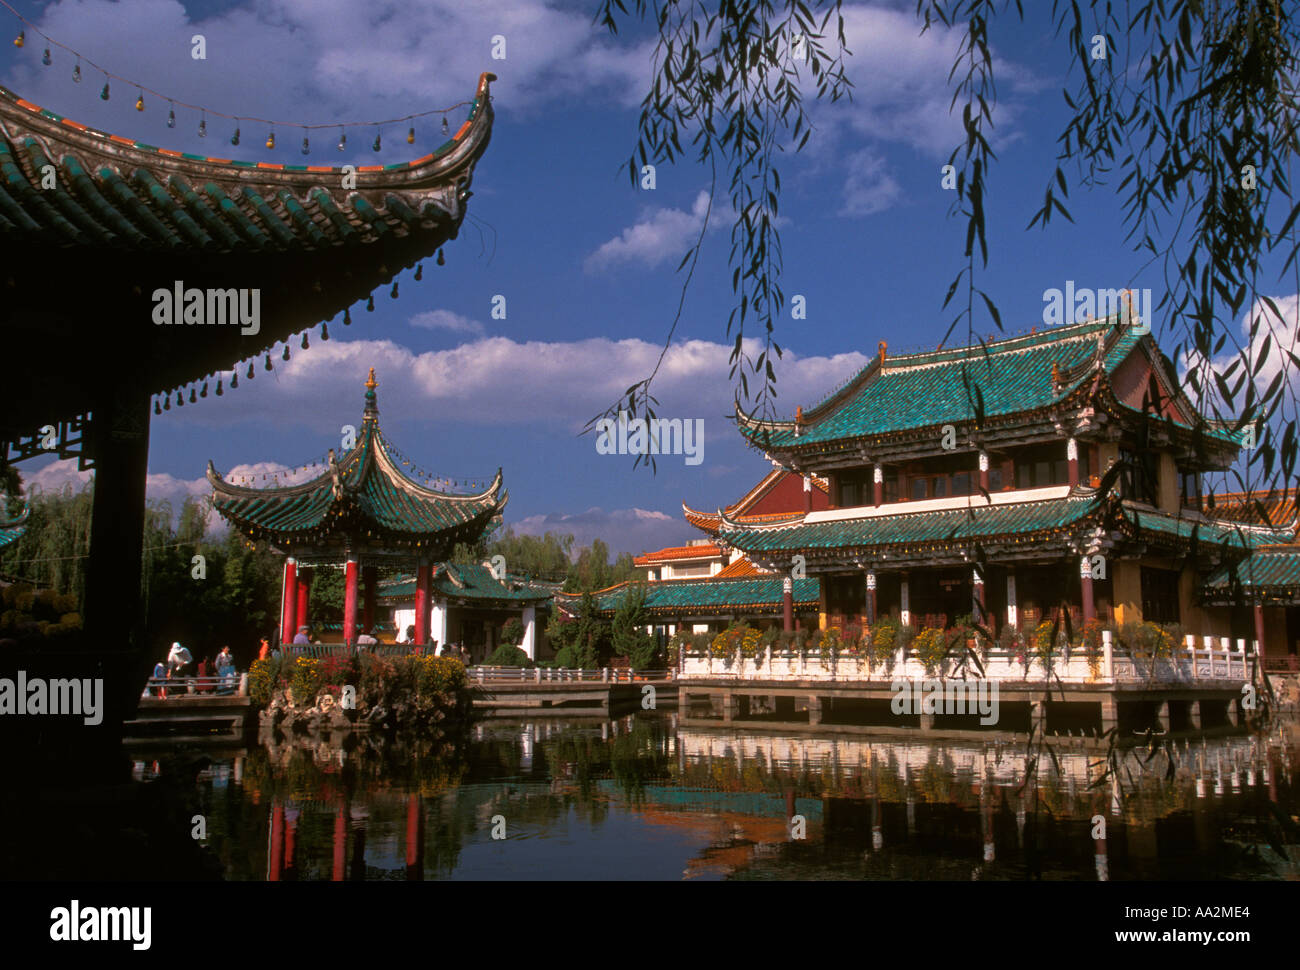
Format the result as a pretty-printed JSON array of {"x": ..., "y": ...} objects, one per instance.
[
  {"x": 1029, "y": 377},
  {"x": 362, "y": 504},
  {"x": 123, "y": 219}
]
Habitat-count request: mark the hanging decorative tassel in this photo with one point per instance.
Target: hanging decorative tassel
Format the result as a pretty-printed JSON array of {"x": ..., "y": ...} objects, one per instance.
[
  {"x": 419, "y": 271},
  {"x": 306, "y": 147},
  {"x": 76, "y": 72},
  {"x": 377, "y": 145},
  {"x": 45, "y": 58},
  {"x": 193, "y": 396},
  {"x": 234, "y": 139},
  {"x": 171, "y": 118},
  {"x": 441, "y": 261},
  {"x": 203, "y": 126},
  {"x": 180, "y": 399},
  {"x": 103, "y": 95},
  {"x": 167, "y": 403},
  {"x": 370, "y": 303},
  {"x": 268, "y": 358},
  {"x": 446, "y": 128},
  {"x": 347, "y": 317},
  {"x": 250, "y": 370},
  {"x": 234, "y": 381},
  {"x": 393, "y": 292},
  {"x": 157, "y": 408},
  {"x": 343, "y": 140}
]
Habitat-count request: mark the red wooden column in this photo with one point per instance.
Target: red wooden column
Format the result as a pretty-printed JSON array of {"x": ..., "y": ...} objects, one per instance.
[
  {"x": 1085, "y": 582},
  {"x": 1259, "y": 627},
  {"x": 984, "y": 470},
  {"x": 878, "y": 485},
  {"x": 422, "y": 603},
  {"x": 290, "y": 841},
  {"x": 371, "y": 576},
  {"x": 1072, "y": 457},
  {"x": 289, "y": 601},
  {"x": 305, "y": 575},
  {"x": 350, "y": 602},
  {"x": 871, "y": 597},
  {"x": 787, "y": 604}
]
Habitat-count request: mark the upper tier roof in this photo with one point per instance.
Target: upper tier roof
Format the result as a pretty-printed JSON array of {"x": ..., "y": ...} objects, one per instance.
[
  {"x": 124, "y": 220},
  {"x": 1014, "y": 375},
  {"x": 704, "y": 597},
  {"x": 362, "y": 503}
]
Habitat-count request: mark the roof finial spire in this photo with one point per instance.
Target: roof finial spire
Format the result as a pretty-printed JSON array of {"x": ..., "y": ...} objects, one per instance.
[
  {"x": 371, "y": 405},
  {"x": 371, "y": 383}
]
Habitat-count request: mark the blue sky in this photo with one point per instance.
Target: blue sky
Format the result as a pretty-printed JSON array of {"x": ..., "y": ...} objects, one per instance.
[{"x": 586, "y": 262}]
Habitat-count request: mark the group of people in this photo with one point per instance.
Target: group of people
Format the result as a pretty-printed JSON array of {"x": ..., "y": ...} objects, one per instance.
[{"x": 177, "y": 667}]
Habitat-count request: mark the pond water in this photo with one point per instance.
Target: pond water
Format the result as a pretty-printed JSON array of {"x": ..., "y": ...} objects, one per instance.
[{"x": 642, "y": 797}]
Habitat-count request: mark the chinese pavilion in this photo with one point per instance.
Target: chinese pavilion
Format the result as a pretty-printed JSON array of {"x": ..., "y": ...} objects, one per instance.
[
  {"x": 940, "y": 509},
  {"x": 362, "y": 512},
  {"x": 470, "y": 604},
  {"x": 705, "y": 584},
  {"x": 94, "y": 224}
]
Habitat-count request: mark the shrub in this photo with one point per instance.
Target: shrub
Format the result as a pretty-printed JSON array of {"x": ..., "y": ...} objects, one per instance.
[
  {"x": 931, "y": 648},
  {"x": 263, "y": 679},
  {"x": 508, "y": 655},
  {"x": 512, "y": 631},
  {"x": 305, "y": 681}
]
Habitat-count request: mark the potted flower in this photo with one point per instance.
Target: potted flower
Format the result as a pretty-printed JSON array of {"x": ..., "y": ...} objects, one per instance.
[
  {"x": 931, "y": 648},
  {"x": 884, "y": 642}
]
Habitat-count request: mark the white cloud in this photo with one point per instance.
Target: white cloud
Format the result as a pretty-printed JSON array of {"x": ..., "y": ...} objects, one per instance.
[
  {"x": 499, "y": 380},
  {"x": 661, "y": 234},
  {"x": 869, "y": 188},
  {"x": 1281, "y": 329},
  {"x": 446, "y": 320}
]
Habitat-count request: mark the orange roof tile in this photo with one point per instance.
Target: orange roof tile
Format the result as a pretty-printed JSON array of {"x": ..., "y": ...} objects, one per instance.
[
  {"x": 741, "y": 567},
  {"x": 673, "y": 553}
]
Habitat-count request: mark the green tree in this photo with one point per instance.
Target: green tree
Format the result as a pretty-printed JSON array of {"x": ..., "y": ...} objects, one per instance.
[{"x": 628, "y": 636}]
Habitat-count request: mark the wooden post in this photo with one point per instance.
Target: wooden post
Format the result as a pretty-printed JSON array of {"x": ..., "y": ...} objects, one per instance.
[
  {"x": 305, "y": 575},
  {"x": 787, "y": 603},
  {"x": 904, "y": 599},
  {"x": 878, "y": 485},
  {"x": 1072, "y": 459},
  {"x": 871, "y": 598},
  {"x": 977, "y": 595},
  {"x": 1259, "y": 628},
  {"x": 422, "y": 602},
  {"x": 1085, "y": 582},
  {"x": 807, "y": 494},
  {"x": 1013, "y": 614},
  {"x": 350, "y": 602},
  {"x": 289, "y": 601}
]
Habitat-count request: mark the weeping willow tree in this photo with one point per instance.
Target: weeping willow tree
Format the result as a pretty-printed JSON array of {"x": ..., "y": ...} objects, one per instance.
[
  {"x": 51, "y": 553},
  {"x": 1186, "y": 108}
]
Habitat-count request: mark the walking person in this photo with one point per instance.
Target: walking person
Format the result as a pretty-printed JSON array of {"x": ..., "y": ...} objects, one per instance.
[{"x": 159, "y": 673}]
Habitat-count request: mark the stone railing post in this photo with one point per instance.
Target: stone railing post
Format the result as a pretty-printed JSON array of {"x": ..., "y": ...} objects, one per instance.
[
  {"x": 243, "y": 684},
  {"x": 1107, "y": 655},
  {"x": 537, "y": 675},
  {"x": 1191, "y": 649},
  {"x": 767, "y": 660},
  {"x": 1241, "y": 649},
  {"x": 604, "y": 675}
]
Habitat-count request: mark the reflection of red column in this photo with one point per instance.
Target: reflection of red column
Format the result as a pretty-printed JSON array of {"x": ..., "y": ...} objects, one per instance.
[
  {"x": 290, "y": 840},
  {"x": 340, "y": 840},
  {"x": 350, "y": 602},
  {"x": 289, "y": 602},
  {"x": 371, "y": 576},
  {"x": 358, "y": 873},
  {"x": 276, "y": 860},
  {"x": 422, "y": 603},
  {"x": 305, "y": 575},
  {"x": 414, "y": 838},
  {"x": 789, "y": 810}
]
